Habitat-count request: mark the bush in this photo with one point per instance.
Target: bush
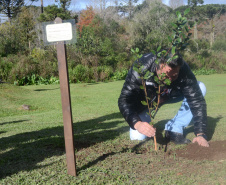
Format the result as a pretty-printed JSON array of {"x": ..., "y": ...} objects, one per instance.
[
  {"x": 120, "y": 74},
  {"x": 6, "y": 65},
  {"x": 204, "y": 71},
  {"x": 219, "y": 45},
  {"x": 198, "y": 45},
  {"x": 80, "y": 74},
  {"x": 36, "y": 80},
  {"x": 215, "y": 61}
]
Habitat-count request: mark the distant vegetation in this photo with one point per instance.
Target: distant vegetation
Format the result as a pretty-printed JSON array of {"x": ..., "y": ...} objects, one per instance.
[{"x": 105, "y": 37}]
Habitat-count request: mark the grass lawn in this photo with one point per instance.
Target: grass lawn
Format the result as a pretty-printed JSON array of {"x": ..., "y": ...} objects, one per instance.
[{"x": 32, "y": 141}]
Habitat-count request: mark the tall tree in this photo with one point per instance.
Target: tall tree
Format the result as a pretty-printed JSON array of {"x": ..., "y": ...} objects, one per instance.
[
  {"x": 64, "y": 4},
  {"x": 11, "y": 7},
  {"x": 86, "y": 17},
  {"x": 194, "y": 3}
]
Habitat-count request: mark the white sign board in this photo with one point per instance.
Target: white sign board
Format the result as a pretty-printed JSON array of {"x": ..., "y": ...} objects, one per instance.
[{"x": 59, "y": 32}]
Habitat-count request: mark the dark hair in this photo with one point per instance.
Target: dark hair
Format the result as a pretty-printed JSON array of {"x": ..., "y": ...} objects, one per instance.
[{"x": 173, "y": 63}]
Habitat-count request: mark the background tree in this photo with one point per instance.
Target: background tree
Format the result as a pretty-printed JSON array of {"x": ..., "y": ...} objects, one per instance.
[
  {"x": 176, "y": 3},
  {"x": 194, "y": 3},
  {"x": 86, "y": 17},
  {"x": 52, "y": 11},
  {"x": 150, "y": 26},
  {"x": 64, "y": 4},
  {"x": 11, "y": 7}
]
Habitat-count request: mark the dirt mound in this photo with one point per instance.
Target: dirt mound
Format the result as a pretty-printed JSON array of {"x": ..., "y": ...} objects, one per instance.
[{"x": 215, "y": 152}]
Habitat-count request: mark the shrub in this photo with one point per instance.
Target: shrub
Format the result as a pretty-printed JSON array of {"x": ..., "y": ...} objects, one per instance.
[
  {"x": 204, "y": 71},
  {"x": 80, "y": 74},
  {"x": 120, "y": 74},
  {"x": 36, "y": 80},
  {"x": 219, "y": 45},
  {"x": 198, "y": 45}
]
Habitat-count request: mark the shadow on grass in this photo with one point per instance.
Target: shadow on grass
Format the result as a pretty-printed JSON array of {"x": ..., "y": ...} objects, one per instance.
[
  {"x": 10, "y": 122},
  {"x": 23, "y": 152},
  {"x": 46, "y": 89}
]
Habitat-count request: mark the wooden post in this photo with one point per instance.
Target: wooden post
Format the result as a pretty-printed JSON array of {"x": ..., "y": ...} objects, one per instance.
[{"x": 66, "y": 106}]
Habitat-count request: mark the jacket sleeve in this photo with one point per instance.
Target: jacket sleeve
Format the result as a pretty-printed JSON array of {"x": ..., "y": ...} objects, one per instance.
[
  {"x": 129, "y": 101},
  {"x": 196, "y": 101}
]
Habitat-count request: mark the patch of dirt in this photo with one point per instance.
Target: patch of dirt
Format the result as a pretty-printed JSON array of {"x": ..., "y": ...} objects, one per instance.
[{"x": 215, "y": 152}]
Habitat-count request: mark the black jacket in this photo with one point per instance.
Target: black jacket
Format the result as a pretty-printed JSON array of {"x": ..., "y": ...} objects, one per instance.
[{"x": 131, "y": 96}]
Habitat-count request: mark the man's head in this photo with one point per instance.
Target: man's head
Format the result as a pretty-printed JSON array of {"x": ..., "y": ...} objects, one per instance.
[{"x": 172, "y": 68}]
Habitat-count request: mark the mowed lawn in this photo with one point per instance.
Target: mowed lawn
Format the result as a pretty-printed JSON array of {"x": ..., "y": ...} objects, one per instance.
[{"x": 32, "y": 141}]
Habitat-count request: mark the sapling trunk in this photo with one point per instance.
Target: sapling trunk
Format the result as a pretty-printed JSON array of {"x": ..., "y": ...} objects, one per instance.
[{"x": 149, "y": 110}]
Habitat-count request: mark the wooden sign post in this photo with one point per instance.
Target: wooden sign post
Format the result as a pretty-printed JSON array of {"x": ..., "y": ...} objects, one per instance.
[{"x": 59, "y": 32}]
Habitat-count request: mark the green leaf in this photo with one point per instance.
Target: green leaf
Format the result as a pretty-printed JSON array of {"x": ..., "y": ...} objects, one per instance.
[
  {"x": 173, "y": 50},
  {"x": 144, "y": 103},
  {"x": 174, "y": 25},
  {"x": 163, "y": 52},
  {"x": 156, "y": 79},
  {"x": 147, "y": 75},
  {"x": 159, "y": 54},
  {"x": 167, "y": 81},
  {"x": 170, "y": 39},
  {"x": 157, "y": 61},
  {"x": 175, "y": 57},
  {"x": 132, "y": 50},
  {"x": 169, "y": 60},
  {"x": 153, "y": 113},
  {"x": 186, "y": 28},
  {"x": 153, "y": 51},
  {"x": 141, "y": 87},
  {"x": 179, "y": 39},
  {"x": 178, "y": 14},
  {"x": 186, "y": 11},
  {"x": 137, "y": 50},
  {"x": 135, "y": 69},
  {"x": 158, "y": 48}
]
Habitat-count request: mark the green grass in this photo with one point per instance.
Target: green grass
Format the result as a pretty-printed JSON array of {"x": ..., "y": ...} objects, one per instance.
[{"x": 32, "y": 142}]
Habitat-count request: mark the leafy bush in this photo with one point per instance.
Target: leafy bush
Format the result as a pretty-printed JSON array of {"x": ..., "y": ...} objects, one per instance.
[
  {"x": 204, "y": 71},
  {"x": 219, "y": 45},
  {"x": 120, "y": 74},
  {"x": 198, "y": 45},
  {"x": 6, "y": 65},
  {"x": 80, "y": 73},
  {"x": 215, "y": 60},
  {"x": 36, "y": 80}
]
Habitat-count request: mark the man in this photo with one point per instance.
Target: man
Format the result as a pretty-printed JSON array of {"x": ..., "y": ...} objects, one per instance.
[{"x": 184, "y": 86}]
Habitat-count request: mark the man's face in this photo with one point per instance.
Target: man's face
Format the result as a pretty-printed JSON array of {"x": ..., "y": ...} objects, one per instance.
[{"x": 171, "y": 73}]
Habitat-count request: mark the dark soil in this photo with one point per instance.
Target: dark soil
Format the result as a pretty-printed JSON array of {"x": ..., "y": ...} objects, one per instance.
[{"x": 215, "y": 152}]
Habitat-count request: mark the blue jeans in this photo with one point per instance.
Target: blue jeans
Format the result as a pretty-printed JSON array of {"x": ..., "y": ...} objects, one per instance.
[{"x": 177, "y": 124}]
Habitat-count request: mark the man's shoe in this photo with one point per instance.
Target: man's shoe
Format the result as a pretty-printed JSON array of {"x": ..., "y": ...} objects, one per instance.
[{"x": 176, "y": 138}]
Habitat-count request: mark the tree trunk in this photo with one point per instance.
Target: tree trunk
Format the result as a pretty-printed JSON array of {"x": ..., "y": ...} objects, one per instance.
[
  {"x": 41, "y": 6},
  {"x": 195, "y": 31},
  {"x": 212, "y": 33}
]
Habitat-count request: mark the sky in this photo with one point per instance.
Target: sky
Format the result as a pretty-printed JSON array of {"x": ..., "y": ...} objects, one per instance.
[{"x": 81, "y": 4}]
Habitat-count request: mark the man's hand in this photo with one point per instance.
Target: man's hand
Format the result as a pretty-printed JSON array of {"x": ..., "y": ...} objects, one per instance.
[
  {"x": 201, "y": 141},
  {"x": 145, "y": 128}
]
